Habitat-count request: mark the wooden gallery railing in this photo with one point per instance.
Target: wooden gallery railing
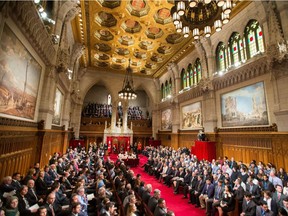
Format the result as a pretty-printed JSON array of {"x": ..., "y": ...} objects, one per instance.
[{"x": 24, "y": 143}]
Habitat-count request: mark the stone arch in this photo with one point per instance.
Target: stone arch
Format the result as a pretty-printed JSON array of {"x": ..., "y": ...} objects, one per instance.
[
  {"x": 148, "y": 91},
  {"x": 105, "y": 84}
]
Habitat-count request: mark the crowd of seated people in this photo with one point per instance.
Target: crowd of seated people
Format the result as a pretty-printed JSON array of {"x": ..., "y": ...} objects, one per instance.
[
  {"x": 222, "y": 185},
  {"x": 97, "y": 110},
  {"x": 79, "y": 183},
  {"x": 105, "y": 111}
]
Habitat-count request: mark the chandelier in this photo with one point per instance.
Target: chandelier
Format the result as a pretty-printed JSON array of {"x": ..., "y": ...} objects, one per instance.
[
  {"x": 127, "y": 92},
  {"x": 201, "y": 16}
]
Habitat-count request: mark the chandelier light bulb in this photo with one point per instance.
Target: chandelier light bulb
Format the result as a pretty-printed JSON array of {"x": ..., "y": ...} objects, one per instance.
[
  {"x": 176, "y": 18},
  {"x": 225, "y": 18},
  {"x": 207, "y": 1},
  {"x": 227, "y": 7},
  {"x": 220, "y": 3},
  {"x": 186, "y": 31},
  {"x": 179, "y": 27},
  {"x": 196, "y": 33},
  {"x": 207, "y": 31},
  {"x": 181, "y": 8},
  {"x": 192, "y": 3},
  {"x": 218, "y": 25}
]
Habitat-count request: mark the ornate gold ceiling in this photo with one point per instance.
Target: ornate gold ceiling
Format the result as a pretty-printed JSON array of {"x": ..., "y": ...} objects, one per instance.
[{"x": 141, "y": 30}]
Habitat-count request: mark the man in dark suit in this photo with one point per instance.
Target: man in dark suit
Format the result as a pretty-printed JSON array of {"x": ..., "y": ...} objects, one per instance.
[
  {"x": 191, "y": 186},
  {"x": 16, "y": 178},
  {"x": 160, "y": 209},
  {"x": 146, "y": 195},
  {"x": 53, "y": 209},
  {"x": 278, "y": 196},
  {"x": 266, "y": 184},
  {"x": 207, "y": 193},
  {"x": 153, "y": 201},
  {"x": 31, "y": 195},
  {"x": 194, "y": 197},
  {"x": 263, "y": 210},
  {"x": 254, "y": 190},
  {"x": 248, "y": 206},
  {"x": 76, "y": 209},
  {"x": 23, "y": 202}
]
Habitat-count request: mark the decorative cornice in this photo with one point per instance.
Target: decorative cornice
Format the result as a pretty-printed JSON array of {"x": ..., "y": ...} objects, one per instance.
[
  {"x": 194, "y": 92},
  {"x": 17, "y": 123},
  {"x": 248, "y": 71},
  {"x": 26, "y": 17},
  {"x": 271, "y": 128}
]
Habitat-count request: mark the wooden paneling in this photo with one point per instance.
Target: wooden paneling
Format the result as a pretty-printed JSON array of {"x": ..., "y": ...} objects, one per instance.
[{"x": 22, "y": 144}]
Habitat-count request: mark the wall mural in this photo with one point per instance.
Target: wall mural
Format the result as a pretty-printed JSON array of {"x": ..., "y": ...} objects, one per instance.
[
  {"x": 244, "y": 107},
  {"x": 57, "y": 107},
  {"x": 19, "y": 77},
  {"x": 166, "y": 121},
  {"x": 192, "y": 116}
]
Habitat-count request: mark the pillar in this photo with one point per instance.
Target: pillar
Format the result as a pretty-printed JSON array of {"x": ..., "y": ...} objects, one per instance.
[{"x": 46, "y": 108}]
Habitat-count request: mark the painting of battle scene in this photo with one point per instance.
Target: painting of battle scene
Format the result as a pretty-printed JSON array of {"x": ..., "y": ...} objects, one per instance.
[
  {"x": 57, "y": 107},
  {"x": 245, "y": 107},
  {"x": 191, "y": 116},
  {"x": 19, "y": 77},
  {"x": 166, "y": 120}
]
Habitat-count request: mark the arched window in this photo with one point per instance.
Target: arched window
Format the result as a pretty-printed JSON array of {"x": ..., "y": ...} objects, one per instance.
[
  {"x": 170, "y": 87},
  {"x": 166, "y": 89},
  {"x": 254, "y": 38},
  {"x": 189, "y": 69},
  {"x": 187, "y": 78},
  {"x": 198, "y": 70},
  {"x": 162, "y": 91},
  {"x": 221, "y": 57},
  {"x": 183, "y": 77},
  {"x": 234, "y": 47}
]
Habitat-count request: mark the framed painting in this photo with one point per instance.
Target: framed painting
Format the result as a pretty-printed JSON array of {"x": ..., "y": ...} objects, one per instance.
[
  {"x": 20, "y": 75},
  {"x": 57, "y": 107},
  {"x": 245, "y": 107},
  {"x": 191, "y": 116},
  {"x": 166, "y": 120}
]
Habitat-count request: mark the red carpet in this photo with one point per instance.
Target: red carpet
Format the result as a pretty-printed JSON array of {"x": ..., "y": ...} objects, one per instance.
[{"x": 174, "y": 202}]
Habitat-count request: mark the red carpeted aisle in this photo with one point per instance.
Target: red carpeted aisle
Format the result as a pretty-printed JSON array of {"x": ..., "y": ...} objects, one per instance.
[{"x": 174, "y": 202}]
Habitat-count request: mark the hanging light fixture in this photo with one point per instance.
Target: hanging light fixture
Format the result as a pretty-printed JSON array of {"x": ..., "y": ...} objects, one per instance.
[
  {"x": 127, "y": 92},
  {"x": 201, "y": 17}
]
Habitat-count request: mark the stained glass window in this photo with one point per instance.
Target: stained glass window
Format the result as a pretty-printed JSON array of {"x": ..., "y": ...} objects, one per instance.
[
  {"x": 221, "y": 57},
  {"x": 254, "y": 38},
  {"x": 234, "y": 47}
]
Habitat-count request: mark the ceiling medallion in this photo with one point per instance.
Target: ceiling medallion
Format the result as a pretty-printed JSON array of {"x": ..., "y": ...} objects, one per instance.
[{"x": 200, "y": 16}]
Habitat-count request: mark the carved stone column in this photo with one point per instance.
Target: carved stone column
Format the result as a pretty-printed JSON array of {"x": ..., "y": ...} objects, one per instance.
[
  {"x": 177, "y": 84},
  {"x": 77, "y": 119},
  {"x": 114, "y": 114},
  {"x": 46, "y": 108},
  {"x": 156, "y": 122},
  {"x": 175, "y": 118},
  {"x": 209, "y": 111},
  {"x": 66, "y": 113},
  {"x": 125, "y": 105}
]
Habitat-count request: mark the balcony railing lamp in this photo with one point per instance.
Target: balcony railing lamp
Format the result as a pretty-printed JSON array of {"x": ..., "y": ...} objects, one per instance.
[
  {"x": 127, "y": 92},
  {"x": 201, "y": 17}
]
